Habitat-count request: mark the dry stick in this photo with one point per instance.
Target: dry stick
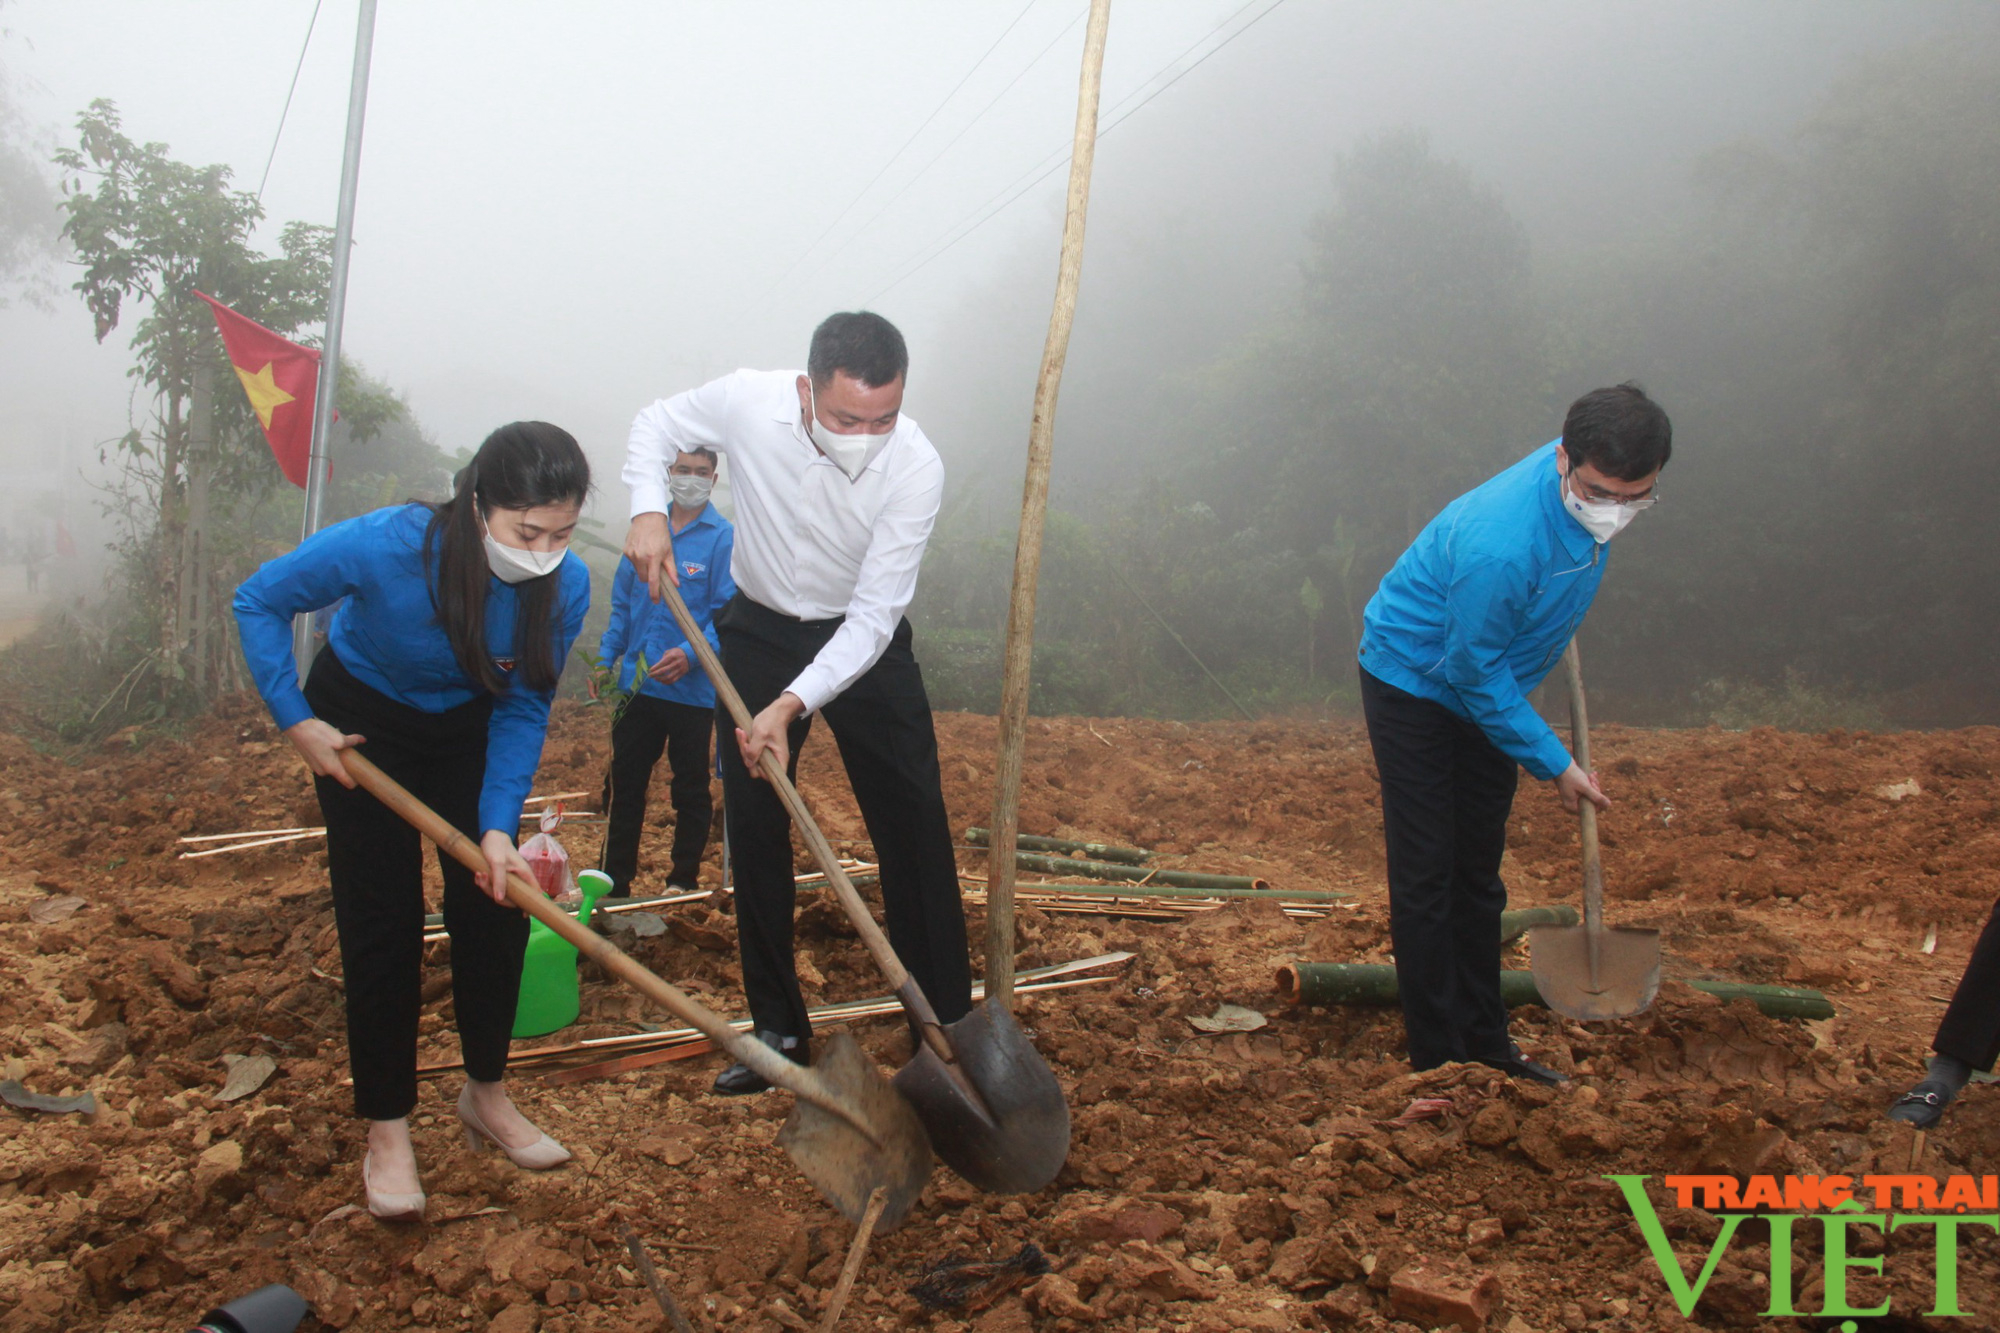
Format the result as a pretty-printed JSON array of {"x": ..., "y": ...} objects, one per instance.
[
  {"x": 668, "y": 1305},
  {"x": 246, "y": 846},
  {"x": 1005, "y": 825},
  {"x": 876, "y": 1201},
  {"x": 248, "y": 833}
]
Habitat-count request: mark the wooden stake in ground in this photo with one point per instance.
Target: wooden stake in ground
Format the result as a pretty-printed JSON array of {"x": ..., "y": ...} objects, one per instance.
[
  {"x": 1034, "y": 506},
  {"x": 852, "y": 1268},
  {"x": 670, "y": 1307}
]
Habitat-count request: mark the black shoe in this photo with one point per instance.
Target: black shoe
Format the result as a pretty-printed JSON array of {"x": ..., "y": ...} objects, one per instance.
[
  {"x": 681, "y": 886},
  {"x": 1516, "y": 1065},
  {"x": 741, "y": 1080},
  {"x": 1923, "y": 1105}
]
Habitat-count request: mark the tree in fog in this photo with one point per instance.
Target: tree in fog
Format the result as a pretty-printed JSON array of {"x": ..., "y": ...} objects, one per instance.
[
  {"x": 28, "y": 218},
  {"x": 200, "y": 498},
  {"x": 1824, "y": 326}
]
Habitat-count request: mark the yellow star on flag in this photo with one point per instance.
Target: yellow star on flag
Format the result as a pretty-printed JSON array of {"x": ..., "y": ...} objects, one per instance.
[{"x": 265, "y": 395}]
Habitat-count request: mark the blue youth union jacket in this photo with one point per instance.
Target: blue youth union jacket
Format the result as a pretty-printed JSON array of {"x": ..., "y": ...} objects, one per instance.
[
  {"x": 640, "y": 627},
  {"x": 387, "y": 634},
  {"x": 1480, "y": 607}
]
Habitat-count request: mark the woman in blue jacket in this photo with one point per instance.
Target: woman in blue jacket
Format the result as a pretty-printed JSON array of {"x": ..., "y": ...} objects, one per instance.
[{"x": 443, "y": 658}]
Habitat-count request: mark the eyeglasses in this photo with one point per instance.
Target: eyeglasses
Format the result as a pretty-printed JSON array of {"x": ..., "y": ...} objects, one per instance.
[{"x": 1597, "y": 495}]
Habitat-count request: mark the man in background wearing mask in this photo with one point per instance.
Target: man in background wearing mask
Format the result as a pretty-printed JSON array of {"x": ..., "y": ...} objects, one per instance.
[
  {"x": 672, "y": 707},
  {"x": 836, "y": 492},
  {"x": 1471, "y": 618}
]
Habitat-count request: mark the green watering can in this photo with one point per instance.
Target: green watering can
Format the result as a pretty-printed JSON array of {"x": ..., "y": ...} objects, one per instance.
[{"x": 549, "y": 998}]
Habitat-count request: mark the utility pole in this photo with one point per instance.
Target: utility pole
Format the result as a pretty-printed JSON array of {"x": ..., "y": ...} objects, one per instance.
[{"x": 336, "y": 305}]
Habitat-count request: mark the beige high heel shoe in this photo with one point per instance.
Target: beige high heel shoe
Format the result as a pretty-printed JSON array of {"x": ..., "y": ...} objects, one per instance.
[
  {"x": 540, "y": 1155},
  {"x": 388, "y": 1206}
]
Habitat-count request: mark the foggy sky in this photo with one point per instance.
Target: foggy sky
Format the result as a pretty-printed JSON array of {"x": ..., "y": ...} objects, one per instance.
[{"x": 568, "y": 210}]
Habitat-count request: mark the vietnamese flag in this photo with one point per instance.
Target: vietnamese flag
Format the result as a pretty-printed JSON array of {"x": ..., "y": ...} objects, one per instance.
[{"x": 281, "y": 378}]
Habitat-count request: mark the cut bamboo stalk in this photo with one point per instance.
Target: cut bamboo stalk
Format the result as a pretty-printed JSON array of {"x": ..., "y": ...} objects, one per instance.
[
  {"x": 646, "y": 1056},
  {"x": 1099, "y": 851},
  {"x": 1375, "y": 983},
  {"x": 1020, "y": 650},
  {"x": 1516, "y": 923},
  {"x": 831, "y": 1013},
  {"x": 1186, "y": 879},
  {"x": 1171, "y": 890}
]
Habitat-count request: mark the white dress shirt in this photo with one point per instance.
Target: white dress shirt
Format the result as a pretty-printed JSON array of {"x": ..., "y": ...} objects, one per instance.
[{"x": 809, "y": 543}]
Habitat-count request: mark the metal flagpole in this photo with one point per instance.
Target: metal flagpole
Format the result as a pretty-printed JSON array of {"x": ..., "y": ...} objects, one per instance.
[{"x": 336, "y": 304}]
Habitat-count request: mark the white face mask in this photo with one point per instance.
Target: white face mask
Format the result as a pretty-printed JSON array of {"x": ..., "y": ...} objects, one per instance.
[
  {"x": 850, "y": 453},
  {"x": 1602, "y": 519},
  {"x": 690, "y": 492},
  {"x": 511, "y": 564}
]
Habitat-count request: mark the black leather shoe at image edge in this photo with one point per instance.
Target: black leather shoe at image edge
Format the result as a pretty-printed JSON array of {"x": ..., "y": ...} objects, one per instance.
[
  {"x": 1516, "y": 1065},
  {"x": 1923, "y": 1106},
  {"x": 739, "y": 1080}
]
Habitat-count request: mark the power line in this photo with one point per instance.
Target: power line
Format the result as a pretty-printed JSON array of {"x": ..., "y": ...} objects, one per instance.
[
  {"x": 272, "y": 156},
  {"x": 895, "y": 156},
  {"x": 925, "y": 168},
  {"x": 1040, "y": 172},
  {"x": 1036, "y": 174}
]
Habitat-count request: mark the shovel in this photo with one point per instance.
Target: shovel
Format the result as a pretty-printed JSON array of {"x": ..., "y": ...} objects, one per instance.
[
  {"x": 849, "y": 1132},
  {"x": 1591, "y": 971},
  {"x": 993, "y": 1107}
]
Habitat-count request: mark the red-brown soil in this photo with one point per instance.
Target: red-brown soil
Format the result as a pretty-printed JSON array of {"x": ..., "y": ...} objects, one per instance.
[{"x": 1216, "y": 1182}]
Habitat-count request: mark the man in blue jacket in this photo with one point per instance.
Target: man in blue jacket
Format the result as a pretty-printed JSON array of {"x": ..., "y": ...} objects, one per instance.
[
  {"x": 1469, "y": 620},
  {"x": 673, "y": 705}
]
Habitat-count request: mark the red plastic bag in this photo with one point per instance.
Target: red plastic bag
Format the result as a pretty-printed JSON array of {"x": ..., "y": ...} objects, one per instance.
[{"x": 546, "y": 857}]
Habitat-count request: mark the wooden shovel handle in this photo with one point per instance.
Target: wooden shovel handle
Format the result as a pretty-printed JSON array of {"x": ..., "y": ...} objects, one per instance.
[
  {"x": 914, "y": 1000},
  {"x": 767, "y": 1063},
  {"x": 1586, "y": 813}
]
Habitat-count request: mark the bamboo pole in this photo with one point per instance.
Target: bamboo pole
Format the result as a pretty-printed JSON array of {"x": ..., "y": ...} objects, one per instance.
[
  {"x": 1059, "y": 865},
  {"x": 1517, "y": 923},
  {"x": 1191, "y": 891},
  {"x": 1100, "y": 851},
  {"x": 1375, "y": 983},
  {"x": 1034, "y": 507}
]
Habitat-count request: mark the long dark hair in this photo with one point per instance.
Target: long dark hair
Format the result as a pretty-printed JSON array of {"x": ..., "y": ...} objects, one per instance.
[{"x": 523, "y": 465}]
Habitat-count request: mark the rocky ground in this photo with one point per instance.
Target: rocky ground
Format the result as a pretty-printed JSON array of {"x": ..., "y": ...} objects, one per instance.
[{"x": 1246, "y": 1180}]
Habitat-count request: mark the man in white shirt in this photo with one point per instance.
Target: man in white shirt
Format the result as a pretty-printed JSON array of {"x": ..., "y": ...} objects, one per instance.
[{"x": 836, "y": 492}]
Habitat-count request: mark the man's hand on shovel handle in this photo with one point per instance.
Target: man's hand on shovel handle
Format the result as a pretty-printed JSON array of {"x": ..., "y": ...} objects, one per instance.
[
  {"x": 501, "y": 858},
  {"x": 650, "y": 548},
  {"x": 317, "y": 743},
  {"x": 770, "y": 730},
  {"x": 1574, "y": 785}
]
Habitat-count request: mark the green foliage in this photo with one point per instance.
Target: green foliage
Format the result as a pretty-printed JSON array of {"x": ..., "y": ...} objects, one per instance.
[
  {"x": 1793, "y": 705},
  {"x": 1407, "y": 373},
  {"x": 196, "y": 473},
  {"x": 28, "y": 221},
  {"x": 1821, "y": 318},
  {"x": 198, "y": 497}
]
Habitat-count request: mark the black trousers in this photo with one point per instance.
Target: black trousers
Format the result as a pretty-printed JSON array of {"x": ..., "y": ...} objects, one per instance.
[
  {"x": 646, "y": 727},
  {"x": 1971, "y": 1027},
  {"x": 1446, "y": 793},
  {"x": 375, "y": 861},
  {"x": 882, "y": 725}
]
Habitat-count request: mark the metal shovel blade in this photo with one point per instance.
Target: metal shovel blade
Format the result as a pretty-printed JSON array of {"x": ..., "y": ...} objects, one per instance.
[
  {"x": 1623, "y": 983},
  {"x": 838, "y": 1158},
  {"x": 1023, "y": 1143}
]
